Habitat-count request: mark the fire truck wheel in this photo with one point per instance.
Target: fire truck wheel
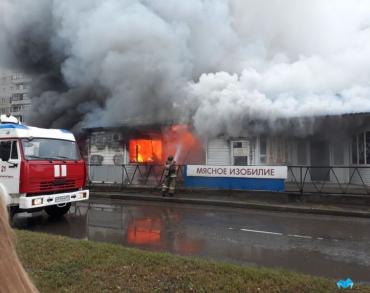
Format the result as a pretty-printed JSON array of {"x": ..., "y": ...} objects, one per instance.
[{"x": 57, "y": 212}]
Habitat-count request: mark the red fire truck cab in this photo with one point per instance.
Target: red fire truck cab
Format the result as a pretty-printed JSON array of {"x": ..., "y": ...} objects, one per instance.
[{"x": 40, "y": 168}]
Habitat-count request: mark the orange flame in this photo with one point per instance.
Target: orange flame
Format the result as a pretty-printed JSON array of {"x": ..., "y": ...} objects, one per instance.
[
  {"x": 145, "y": 150},
  {"x": 181, "y": 143},
  {"x": 176, "y": 140}
]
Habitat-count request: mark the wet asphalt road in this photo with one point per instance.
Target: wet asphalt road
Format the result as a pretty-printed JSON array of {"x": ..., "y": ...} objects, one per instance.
[{"x": 336, "y": 247}]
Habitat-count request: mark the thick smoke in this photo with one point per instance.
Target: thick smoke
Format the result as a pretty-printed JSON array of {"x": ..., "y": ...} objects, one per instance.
[{"x": 222, "y": 64}]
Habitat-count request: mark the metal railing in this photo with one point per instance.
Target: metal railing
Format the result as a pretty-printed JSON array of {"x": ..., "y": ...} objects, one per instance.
[
  {"x": 132, "y": 174},
  {"x": 301, "y": 179},
  {"x": 329, "y": 179}
]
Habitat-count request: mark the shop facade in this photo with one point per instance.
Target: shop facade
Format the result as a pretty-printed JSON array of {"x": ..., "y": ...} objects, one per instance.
[{"x": 330, "y": 152}]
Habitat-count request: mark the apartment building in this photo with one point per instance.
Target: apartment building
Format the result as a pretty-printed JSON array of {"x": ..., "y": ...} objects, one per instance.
[{"x": 15, "y": 88}]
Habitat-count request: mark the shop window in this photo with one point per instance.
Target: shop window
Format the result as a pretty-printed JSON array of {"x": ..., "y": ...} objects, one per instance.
[
  {"x": 361, "y": 149},
  {"x": 367, "y": 144},
  {"x": 145, "y": 150},
  {"x": 263, "y": 150},
  {"x": 240, "y": 152},
  {"x": 354, "y": 150}
]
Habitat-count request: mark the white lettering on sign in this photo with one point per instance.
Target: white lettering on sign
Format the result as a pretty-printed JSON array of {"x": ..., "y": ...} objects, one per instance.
[{"x": 268, "y": 172}]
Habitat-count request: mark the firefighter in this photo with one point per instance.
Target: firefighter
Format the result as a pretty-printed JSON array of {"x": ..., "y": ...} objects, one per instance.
[{"x": 169, "y": 183}]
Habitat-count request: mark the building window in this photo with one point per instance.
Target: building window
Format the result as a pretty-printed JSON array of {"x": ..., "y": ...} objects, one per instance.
[
  {"x": 16, "y": 108},
  {"x": 263, "y": 150},
  {"x": 17, "y": 97},
  {"x": 354, "y": 150},
  {"x": 360, "y": 148},
  {"x": 367, "y": 145},
  {"x": 240, "y": 153}
]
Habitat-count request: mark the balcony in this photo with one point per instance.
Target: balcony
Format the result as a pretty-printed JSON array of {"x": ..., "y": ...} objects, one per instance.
[
  {"x": 20, "y": 91},
  {"x": 21, "y": 79},
  {"x": 26, "y": 102}
]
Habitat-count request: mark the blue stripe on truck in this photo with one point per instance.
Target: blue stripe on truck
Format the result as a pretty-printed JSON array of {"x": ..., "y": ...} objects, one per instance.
[{"x": 12, "y": 126}]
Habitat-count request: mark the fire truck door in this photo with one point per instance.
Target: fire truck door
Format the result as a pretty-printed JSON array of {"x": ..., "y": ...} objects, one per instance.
[{"x": 9, "y": 165}]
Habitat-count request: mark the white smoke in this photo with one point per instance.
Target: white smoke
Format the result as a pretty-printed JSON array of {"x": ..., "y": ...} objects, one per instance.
[
  {"x": 300, "y": 58},
  {"x": 220, "y": 62}
]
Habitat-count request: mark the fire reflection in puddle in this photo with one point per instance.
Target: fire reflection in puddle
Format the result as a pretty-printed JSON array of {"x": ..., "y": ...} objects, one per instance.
[{"x": 158, "y": 229}]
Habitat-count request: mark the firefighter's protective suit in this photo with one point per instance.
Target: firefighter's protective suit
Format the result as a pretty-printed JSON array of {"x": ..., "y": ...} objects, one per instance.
[{"x": 169, "y": 183}]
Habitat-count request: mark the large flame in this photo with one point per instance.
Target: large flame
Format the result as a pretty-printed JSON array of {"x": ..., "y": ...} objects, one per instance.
[
  {"x": 184, "y": 145},
  {"x": 145, "y": 150},
  {"x": 176, "y": 140}
]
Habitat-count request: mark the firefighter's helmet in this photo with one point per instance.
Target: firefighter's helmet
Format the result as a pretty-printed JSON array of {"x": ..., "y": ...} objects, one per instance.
[{"x": 170, "y": 158}]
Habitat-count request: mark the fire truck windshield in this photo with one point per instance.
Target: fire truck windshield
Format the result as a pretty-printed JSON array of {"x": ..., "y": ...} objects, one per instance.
[{"x": 50, "y": 149}]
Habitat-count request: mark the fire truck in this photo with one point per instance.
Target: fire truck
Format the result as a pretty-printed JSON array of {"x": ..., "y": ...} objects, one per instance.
[{"x": 40, "y": 168}]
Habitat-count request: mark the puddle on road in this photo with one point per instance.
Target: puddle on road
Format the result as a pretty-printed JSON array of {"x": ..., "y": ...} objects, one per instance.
[{"x": 203, "y": 232}]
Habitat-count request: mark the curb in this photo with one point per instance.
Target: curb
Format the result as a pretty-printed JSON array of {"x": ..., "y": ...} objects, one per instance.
[
  {"x": 236, "y": 204},
  {"x": 308, "y": 198}
]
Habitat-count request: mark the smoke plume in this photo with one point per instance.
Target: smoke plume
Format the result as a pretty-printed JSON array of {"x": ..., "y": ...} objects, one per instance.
[{"x": 220, "y": 64}]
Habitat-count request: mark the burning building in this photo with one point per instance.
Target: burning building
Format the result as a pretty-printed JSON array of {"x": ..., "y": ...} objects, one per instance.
[
  {"x": 219, "y": 65},
  {"x": 337, "y": 142},
  {"x": 145, "y": 145}
]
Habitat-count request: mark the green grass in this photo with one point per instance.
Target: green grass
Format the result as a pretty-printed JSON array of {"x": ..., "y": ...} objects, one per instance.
[{"x": 59, "y": 264}]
